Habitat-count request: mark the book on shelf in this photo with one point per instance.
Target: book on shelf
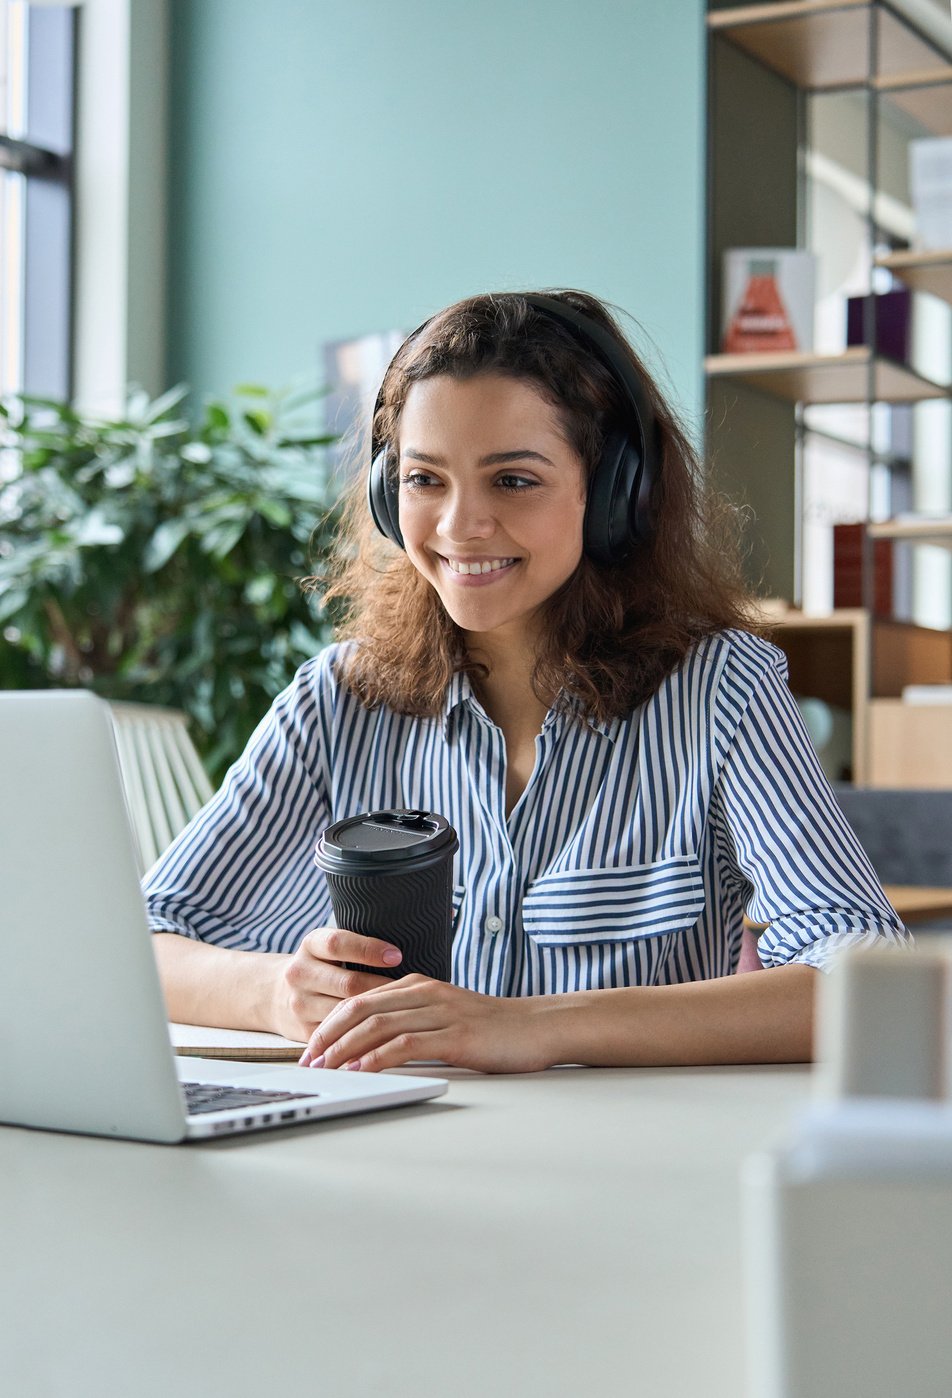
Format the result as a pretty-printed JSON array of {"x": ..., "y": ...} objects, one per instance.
[
  {"x": 884, "y": 321},
  {"x": 849, "y": 553}
]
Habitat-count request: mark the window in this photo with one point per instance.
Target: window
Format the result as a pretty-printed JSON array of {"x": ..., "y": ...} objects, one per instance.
[{"x": 37, "y": 46}]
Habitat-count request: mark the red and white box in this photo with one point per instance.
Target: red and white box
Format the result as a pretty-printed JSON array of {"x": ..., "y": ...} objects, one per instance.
[{"x": 768, "y": 300}]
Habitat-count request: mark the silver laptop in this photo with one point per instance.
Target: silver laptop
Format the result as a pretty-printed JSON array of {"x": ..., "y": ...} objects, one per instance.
[{"x": 84, "y": 1041}]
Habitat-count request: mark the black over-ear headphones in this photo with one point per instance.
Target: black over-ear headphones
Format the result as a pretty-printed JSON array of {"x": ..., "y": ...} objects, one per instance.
[{"x": 618, "y": 506}]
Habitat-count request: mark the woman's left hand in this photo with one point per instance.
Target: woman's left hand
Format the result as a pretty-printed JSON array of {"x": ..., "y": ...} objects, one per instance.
[{"x": 418, "y": 1018}]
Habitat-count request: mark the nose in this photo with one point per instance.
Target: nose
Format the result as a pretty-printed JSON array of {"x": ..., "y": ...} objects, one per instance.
[{"x": 466, "y": 514}]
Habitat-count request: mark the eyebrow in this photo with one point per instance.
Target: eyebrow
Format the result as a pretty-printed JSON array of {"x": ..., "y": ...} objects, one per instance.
[{"x": 496, "y": 458}]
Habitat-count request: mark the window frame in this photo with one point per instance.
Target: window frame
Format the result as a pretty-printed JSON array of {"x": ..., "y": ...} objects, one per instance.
[{"x": 42, "y": 155}]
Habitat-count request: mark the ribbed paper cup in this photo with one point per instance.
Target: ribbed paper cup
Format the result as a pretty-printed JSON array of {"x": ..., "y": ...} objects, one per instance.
[{"x": 390, "y": 875}]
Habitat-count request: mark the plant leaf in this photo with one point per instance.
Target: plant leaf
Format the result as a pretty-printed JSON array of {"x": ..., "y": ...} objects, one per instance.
[
  {"x": 164, "y": 543},
  {"x": 216, "y": 417},
  {"x": 166, "y": 401},
  {"x": 258, "y": 420},
  {"x": 275, "y": 512},
  {"x": 12, "y": 602},
  {"x": 95, "y": 530},
  {"x": 172, "y": 428},
  {"x": 220, "y": 541},
  {"x": 323, "y": 441}
]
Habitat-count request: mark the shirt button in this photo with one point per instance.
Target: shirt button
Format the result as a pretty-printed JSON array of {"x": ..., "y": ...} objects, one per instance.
[{"x": 493, "y": 925}]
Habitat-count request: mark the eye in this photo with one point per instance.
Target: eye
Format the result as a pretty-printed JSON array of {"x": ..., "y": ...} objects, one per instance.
[
  {"x": 516, "y": 485},
  {"x": 417, "y": 480}
]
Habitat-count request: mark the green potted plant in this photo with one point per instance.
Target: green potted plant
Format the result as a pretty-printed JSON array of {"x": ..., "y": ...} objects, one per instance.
[{"x": 154, "y": 561}]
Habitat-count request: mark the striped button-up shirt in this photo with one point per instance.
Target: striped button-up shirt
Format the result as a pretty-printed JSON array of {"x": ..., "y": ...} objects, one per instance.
[{"x": 630, "y": 858}]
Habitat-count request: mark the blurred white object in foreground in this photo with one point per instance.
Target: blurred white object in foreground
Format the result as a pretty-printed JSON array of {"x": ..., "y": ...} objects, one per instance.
[{"x": 848, "y": 1223}]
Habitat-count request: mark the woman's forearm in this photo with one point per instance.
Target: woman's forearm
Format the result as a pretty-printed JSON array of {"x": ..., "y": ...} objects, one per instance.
[
  {"x": 204, "y": 984},
  {"x": 763, "y": 1017}
]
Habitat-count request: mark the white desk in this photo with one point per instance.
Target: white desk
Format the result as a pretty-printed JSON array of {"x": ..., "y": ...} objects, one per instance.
[{"x": 574, "y": 1232}]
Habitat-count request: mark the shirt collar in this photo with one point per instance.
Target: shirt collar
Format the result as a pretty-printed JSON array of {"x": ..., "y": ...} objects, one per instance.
[
  {"x": 571, "y": 708},
  {"x": 608, "y": 727},
  {"x": 460, "y": 691}
]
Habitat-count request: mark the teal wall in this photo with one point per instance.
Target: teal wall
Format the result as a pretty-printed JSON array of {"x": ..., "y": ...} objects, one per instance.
[{"x": 345, "y": 166}]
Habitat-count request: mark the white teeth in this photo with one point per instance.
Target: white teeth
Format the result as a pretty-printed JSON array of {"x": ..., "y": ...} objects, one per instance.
[{"x": 487, "y": 567}]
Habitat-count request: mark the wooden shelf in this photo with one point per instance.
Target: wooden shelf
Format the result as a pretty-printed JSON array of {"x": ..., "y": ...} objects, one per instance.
[
  {"x": 818, "y": 44},
  {"x": 923, "y": 271},
  {"x": 825, "y": 378},
  {"x": 924, "y": 96},
  {"x": 915, "y": 531}
]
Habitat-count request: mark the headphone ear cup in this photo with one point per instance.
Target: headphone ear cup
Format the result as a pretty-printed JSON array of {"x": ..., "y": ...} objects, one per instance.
[
  {"x": 382, "y": 498},
  {"x": 615, "y": 514}
]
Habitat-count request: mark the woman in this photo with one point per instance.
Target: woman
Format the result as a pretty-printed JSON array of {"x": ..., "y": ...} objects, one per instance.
[{"x": 547, "y": 642}]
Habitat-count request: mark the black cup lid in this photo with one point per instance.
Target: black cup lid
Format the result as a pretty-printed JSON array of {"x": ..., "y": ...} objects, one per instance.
[{"x": 377, "y": 838}]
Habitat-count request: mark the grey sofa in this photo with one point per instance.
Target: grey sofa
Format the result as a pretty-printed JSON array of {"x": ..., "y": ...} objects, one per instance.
[{"x": 907, "y": 835}]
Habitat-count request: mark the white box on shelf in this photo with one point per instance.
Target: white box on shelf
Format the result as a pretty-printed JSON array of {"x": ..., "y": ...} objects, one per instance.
[
  {"x": 927, "y": 694},
  {"x": 930, "y": 184},
  {"x": 768, "y": 300}
]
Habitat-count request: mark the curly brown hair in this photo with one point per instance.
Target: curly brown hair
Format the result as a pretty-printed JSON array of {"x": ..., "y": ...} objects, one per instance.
[{"x": 611, "y": 634}]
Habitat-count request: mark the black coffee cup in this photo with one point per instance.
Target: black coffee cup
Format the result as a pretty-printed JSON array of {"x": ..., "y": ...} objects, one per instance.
[{"x": 390, "y": 875}]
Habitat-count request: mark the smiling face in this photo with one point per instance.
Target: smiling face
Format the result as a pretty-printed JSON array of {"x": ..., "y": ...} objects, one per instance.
[{"x": 492, "y": 499}]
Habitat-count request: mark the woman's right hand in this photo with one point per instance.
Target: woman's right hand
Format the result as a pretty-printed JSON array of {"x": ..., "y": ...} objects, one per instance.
[{"x": 312, "y": 981}]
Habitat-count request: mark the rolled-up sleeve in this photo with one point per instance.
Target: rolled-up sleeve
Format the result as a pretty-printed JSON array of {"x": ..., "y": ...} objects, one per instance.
[
  {"x": 242, "y": 873},
  {"x": 800, "y": 868}
]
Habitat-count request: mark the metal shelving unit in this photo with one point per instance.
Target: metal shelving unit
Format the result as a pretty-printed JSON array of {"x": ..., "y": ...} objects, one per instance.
[{"x": 895, "y": 52}]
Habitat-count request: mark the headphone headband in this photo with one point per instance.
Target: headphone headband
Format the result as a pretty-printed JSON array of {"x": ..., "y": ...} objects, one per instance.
[{"x": 594, "y": 336}]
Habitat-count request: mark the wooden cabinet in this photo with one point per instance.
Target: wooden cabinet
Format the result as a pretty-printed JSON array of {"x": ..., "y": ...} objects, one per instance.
[{"x": 862, "y": 666}]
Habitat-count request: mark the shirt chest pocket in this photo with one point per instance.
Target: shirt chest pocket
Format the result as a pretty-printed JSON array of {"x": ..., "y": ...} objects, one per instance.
[{"x": 592, "y": 906}]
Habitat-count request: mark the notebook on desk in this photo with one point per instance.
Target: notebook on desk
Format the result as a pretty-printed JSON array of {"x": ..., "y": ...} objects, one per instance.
[
  {"x": 250, "y": 1046},
  {"x": 242, "y": 1045},
  {"x": 84, "y": 1039}
]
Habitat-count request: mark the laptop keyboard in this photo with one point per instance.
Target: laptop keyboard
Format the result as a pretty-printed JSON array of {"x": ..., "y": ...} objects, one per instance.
[{"x": 216, "y": 1097}]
